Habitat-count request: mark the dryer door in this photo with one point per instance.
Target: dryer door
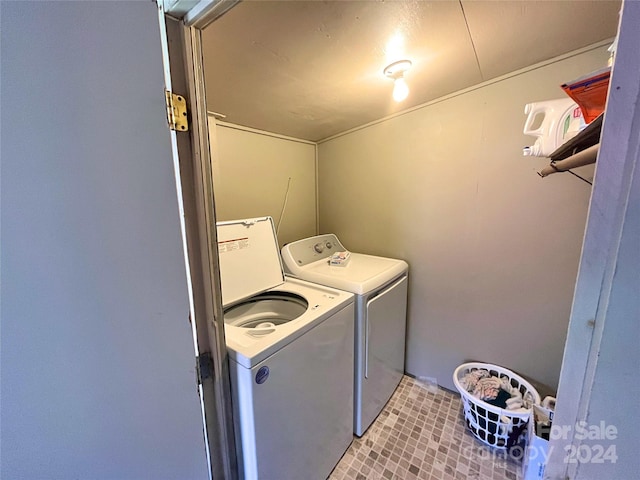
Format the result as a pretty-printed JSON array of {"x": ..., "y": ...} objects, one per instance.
[{"x": 385, "y": 328}]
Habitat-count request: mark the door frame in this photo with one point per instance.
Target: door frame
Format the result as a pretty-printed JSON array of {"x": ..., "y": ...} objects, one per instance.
[
  {"x": 596, "y": 314},
  {"x": 181, "y": 23}
]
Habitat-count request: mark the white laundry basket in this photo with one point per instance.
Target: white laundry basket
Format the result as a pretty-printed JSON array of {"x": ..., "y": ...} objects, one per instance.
[{"x": 495, "y": 426}]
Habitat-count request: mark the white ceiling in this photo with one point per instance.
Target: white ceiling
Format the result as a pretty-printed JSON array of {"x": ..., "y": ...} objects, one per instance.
[{"x": 312, "y": 69}]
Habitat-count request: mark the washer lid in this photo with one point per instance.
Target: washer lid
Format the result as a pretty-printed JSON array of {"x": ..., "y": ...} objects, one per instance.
[{"x": 249, "y": 258}]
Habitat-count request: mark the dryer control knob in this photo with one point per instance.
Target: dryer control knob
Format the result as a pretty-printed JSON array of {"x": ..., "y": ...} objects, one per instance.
[
  {"x": 329, "y": 245},
  {"x": 318, "y": 247}
]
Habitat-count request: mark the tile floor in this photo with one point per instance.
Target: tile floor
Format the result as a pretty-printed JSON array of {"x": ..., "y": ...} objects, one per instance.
[{"x": 421, "y": 434}]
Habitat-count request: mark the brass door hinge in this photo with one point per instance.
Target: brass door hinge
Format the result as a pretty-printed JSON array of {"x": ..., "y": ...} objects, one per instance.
[{"x": 176, "y": 111}]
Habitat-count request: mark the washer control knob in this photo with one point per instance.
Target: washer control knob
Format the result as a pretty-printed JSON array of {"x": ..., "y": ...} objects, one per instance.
[
  {"x": 329, "y": 245},
  {"x": 318, "y": 247}
]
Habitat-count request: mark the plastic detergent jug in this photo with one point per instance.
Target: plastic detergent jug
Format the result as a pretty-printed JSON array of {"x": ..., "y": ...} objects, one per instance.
[{"x": 559, "y": 121}]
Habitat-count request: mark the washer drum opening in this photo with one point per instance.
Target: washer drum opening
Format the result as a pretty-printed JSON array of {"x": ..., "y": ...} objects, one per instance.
[{"x": 262, "y": 313}]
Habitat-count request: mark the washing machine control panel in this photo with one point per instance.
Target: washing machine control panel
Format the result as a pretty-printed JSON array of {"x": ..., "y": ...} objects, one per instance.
[{"x": 312, "y": 249}]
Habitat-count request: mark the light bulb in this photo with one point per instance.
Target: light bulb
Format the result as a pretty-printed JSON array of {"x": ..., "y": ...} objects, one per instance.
[
  {"x": 396, "y": 72},
  {"x": 400, "y": 89}
]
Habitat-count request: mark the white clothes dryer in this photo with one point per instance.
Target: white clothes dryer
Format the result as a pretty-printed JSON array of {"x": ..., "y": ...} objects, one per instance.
[
  {"x": 380, "y": 285},
  {"x": 290, "y": 345}
]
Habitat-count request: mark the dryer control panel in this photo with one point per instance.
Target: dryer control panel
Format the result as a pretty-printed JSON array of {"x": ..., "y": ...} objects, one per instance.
[{"x": 309, "y": 250}]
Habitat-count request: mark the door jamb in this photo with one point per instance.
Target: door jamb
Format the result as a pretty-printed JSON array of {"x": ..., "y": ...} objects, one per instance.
[{"x": 194, "y": 181}]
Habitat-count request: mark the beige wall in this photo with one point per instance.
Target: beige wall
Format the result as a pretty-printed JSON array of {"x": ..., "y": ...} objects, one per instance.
[
  {"x": 251, "y": 172},
  {"x": 493, "y": 249}
]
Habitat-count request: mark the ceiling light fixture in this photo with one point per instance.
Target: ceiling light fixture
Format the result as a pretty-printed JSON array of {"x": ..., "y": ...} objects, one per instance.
[{"x": 396, "y": 71}]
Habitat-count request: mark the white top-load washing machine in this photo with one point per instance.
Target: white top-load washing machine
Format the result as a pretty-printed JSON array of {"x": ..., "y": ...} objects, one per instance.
[
  {"x": 380, "y": 285},
  {"x": 290, "y": 345}
]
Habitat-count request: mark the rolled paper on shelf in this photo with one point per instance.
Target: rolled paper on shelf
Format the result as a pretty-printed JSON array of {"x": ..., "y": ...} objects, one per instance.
[{"x": 585, "y": 157}]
